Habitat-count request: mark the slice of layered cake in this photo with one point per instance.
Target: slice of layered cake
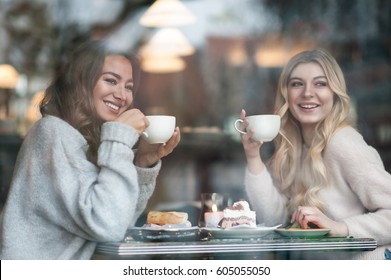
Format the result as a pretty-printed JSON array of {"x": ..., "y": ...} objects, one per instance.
[{"x": 238, "y": 214}]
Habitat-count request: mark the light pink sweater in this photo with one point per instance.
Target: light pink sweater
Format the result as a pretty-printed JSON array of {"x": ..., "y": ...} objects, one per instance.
[{"x": 359, "y": 193}]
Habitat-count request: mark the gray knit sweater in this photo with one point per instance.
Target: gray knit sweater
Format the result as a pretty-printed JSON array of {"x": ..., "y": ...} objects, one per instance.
[
  {"x": 359, "y": 193},
  {"x": 60, "y": 204}
]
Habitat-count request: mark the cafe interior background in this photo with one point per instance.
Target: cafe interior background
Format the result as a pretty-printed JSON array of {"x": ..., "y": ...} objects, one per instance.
[{"x": 203, "y": 65}]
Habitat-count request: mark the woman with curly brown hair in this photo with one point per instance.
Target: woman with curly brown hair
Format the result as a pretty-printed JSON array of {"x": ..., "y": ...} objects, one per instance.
[
  {"x": 78, "y": 180},
  {"x": 322, "y": 173}
]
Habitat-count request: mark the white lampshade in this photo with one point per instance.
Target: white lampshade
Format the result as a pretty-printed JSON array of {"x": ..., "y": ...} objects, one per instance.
[
  {"x": 162, "y": 64},
  {"x": 167, "y": 13},
  {"x": 168, "y": 42},
  {"x": 9, "y": 77}
]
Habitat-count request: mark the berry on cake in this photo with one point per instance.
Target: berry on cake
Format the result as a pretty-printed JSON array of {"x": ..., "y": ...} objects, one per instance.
[{"x": 238, "y": 214}]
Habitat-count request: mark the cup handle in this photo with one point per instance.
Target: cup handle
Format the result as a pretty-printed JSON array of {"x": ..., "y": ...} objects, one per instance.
[
  {"x": 238, "y": 129},
  {"x": 145, "y": 134}
]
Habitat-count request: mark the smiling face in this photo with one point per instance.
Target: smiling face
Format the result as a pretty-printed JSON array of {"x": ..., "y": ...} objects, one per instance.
[
  {"x": 310, "y": 97},
  {"x": 113, "y": 92}
]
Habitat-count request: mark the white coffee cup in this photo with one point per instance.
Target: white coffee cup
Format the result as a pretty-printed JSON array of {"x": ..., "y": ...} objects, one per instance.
[
  {"x": 265, "y": 127},
  {"x": 160, "y": 129}
]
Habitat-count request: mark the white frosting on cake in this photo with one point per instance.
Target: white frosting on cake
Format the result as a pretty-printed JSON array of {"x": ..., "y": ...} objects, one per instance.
[{"x": 239, "y": 209}]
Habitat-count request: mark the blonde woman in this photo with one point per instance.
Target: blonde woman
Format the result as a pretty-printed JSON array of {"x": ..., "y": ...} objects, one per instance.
[{"x": 322, "y": 173}]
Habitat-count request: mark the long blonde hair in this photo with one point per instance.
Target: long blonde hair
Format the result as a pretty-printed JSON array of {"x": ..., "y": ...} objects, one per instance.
[{"x": 301, "y": 178}]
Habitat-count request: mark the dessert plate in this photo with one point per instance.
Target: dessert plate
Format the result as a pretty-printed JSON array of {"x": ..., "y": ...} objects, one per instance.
[
  {"x": 149, "y": 234},
  {"x": 295, "y": 232},
  {"x": 240, "y": 232}
]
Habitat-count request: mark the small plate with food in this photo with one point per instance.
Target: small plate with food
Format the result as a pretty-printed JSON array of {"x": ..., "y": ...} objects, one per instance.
[
  {"x": 240, "y": 232},
  {"x": 238, "y": 222},
  {"x": 164, "y": 227},
  {"x": 301, "y": 232}
]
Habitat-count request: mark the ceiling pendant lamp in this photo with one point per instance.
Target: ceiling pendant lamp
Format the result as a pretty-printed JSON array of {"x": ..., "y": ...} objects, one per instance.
[
  {"x": 167, "y": 13},
  {"x": 168, "y": 42}
]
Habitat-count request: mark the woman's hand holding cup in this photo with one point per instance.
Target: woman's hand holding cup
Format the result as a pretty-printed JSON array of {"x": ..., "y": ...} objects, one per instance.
[
  {"x": 263, "y": 128},
  {"x": 251, "y": 147},
  {"x": 135, "y": 118},
  {"x": 254, "y": 131},
  {"x": 157, "y": 141}
]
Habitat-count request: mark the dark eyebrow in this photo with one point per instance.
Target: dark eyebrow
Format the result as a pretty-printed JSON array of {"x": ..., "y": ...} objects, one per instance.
[{"x": 116, "y": 75}]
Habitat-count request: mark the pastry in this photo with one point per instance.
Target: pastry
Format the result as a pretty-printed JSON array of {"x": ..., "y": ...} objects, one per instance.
[
  {"x": 170, "y": 219},
  {"x": 238, "y": 214}
]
